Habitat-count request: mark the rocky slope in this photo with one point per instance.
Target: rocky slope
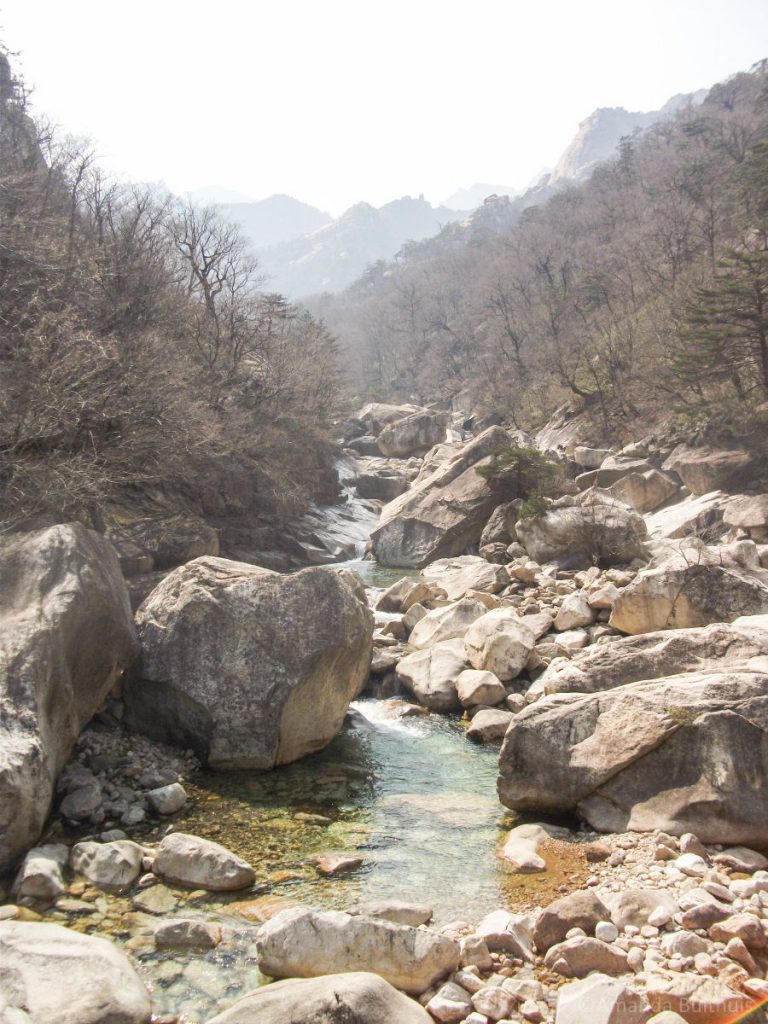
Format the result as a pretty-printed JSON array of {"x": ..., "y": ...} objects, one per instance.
[{"x": 615, "y": 645}]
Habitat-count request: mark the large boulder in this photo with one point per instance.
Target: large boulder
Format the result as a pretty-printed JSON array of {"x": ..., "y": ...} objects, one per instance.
[
  {"x": 443, "y": 513},
  {"x": 499, "y": 642},
  {"x": 67, "y": 635},
  {"x": 585, "y": 533},
  {"x": 705, "y": 469},
  {"x": 249, "y": 668},
  {"x": 184, "y": 859},
  {"x": 445, "y": 623},
  {"x": 718, "y": 647},
  {"x": 415, "y": 433},
  {"x": 354, "y": 998},
  {"x": 301, "y": 943},
  {"x": 645, "y": 491},
  {"x": 431, "y": 675},
  {"x": 613, "y": 468},
  {"x": 467, "y": 572},
  {"x": 500, "y": 528},
  {"x": 677, "y": 596},
  {"x": 688, "y": 753},
  {"x": 52, "y": 975},
  {"x": 749, "y": 512},
  {"x": 376, "y": 415}
]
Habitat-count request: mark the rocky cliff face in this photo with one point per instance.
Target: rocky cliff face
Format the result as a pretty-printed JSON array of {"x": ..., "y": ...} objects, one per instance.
[{"x": 600, "y": 133}]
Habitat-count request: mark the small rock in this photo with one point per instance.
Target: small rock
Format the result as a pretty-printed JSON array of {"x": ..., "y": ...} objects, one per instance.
[
  {"x": 167, "y": 799},
  {"x": 183, "y": 933}
]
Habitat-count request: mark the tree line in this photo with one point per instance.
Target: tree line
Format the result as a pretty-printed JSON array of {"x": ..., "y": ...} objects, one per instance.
[
  {"x": 641, "y": 295},
  {"x": 139, "y": 351}
]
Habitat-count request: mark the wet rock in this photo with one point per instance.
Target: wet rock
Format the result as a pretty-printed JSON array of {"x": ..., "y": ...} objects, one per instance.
[
  {"x": 187, "y": 933},
  {"x": 157, "y": 899},
  {"x": 67, "y": 636},
  {"x": 200, "y": 864},
  {"x": 356, "y": 997},
  {"x": 221, "y": 670},
  {"x": 112, "y": 866},
  {"x": 306, "y": 943},
  {"x": 52, "y": 974},
  {"x": 330, "y": 864}
]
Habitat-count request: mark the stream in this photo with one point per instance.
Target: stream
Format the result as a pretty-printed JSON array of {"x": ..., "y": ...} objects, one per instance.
[{"x": 410, "y": 796}]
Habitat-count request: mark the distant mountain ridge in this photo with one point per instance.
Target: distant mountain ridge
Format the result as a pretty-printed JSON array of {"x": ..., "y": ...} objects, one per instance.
[
  {"x": 303, "y": 252},
  {"x": 275, "y": 220},
  {"x": 336, "y": 254}
]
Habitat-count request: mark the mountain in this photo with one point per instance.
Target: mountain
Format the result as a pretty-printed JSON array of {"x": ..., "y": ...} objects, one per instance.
[
  {"x": 332, "y": 257},
  {"x": 599, "y": 135},
  {"x": 274, "y": 220},
  {"x": 471, "y": 197}
]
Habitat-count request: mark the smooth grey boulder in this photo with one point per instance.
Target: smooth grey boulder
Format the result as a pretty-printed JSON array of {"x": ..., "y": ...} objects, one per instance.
[
  {"x": 467, "y": 572},
  {"x": 443, "y": 513},
  {"x": 431, "y": 675},
  {"x": 670, "y": 652},
  {"x": 248, "y": 667},
  {"x": 580, "y": 909},
  {"x": 355, "y": 998},
  {"x": 112, "y": 866},
  {"x": 53, "y": 975},
  {"x": 412, "y": 434},
  {"x": 66, "y": 634},
  {"x": 201, "y": 864},
  {"x": 301, "y": 943},
  {"x": 588, "y": 532},
  {"x": 41, "y": 873},
  {"x": 705, "y": 469},
  {"x": 687, "y": 753}
]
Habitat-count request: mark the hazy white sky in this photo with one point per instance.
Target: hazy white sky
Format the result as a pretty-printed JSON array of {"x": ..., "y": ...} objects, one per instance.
[{"x": 334, "y": 101}]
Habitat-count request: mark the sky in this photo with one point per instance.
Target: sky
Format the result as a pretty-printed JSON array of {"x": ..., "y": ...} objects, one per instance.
[{"x": 338, "y": 101}]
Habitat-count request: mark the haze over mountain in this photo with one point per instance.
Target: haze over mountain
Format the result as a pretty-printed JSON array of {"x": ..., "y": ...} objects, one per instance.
[{"x": 303, "y": 252}]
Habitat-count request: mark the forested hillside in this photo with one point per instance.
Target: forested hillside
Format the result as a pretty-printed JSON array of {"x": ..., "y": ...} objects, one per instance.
[
  {"x": 142, "y": 371},
  {"x": 641, "y": 295}
]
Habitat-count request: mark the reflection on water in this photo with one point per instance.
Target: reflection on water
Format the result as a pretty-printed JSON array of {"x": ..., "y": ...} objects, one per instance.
[{"x": 411, "y": 796}]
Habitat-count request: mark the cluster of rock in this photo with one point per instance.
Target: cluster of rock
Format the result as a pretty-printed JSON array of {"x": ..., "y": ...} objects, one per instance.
[
  {"x": 664, "y": 925},
  {"x": 244, "y": 666}
]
